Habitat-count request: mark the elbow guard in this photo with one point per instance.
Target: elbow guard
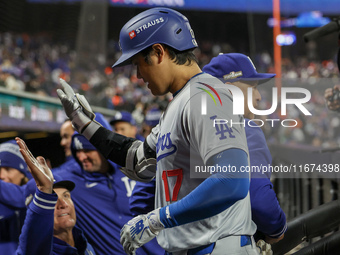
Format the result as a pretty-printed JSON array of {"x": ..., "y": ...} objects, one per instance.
[{"x": 140, "y": 162}]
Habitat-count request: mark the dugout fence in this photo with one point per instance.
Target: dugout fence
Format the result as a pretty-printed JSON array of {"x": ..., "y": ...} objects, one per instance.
[{"x": 309, "y": 199}]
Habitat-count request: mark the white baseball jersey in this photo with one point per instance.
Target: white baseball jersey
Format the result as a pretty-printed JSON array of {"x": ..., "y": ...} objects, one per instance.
[{"x": 186, "y": 140}]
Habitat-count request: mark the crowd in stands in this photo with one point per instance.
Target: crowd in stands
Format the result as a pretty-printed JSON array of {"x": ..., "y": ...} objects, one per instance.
[{"x": 34, "y": 63}]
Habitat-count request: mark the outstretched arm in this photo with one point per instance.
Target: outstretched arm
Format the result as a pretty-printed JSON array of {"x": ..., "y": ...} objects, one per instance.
[
  {"x": 227, "y": 188},
  {"x": 37, "y": 233},
  {"x": 137, "y": 158}
]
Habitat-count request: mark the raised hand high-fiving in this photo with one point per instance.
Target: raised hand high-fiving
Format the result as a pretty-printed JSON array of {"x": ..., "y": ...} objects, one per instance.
[
  {"x": 41, "y": 173},
  {"x": 76, "y": 107}
]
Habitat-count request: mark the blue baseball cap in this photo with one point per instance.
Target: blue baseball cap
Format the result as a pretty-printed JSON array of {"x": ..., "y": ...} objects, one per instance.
[
  {"x": 58, "y": 182},
  {"x": 152, "y": 117},
  {"x": 10, "y": 156},
  {"x": 123, "y": 116},
  {"x": 233, "y": 67}
]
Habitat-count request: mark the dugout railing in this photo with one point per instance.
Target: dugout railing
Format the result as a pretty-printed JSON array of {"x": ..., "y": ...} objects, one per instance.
[{"x": 309, "y": 197}]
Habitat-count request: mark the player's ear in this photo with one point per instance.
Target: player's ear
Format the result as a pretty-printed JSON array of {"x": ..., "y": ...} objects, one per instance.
[{"x": 158, "y": 51}]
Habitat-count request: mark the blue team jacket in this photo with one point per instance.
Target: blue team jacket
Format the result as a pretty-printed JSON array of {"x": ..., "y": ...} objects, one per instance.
[
  {"x": 37, "y": 232},
  {"x": 102, "y": 206},
  {"x": 265, "y": 208},
  {"x": 142, "y": 201},
  {"x": 69, "y": 164},
  {"x": 11, "y": 221},
  {"x": 13, "y": 201}
]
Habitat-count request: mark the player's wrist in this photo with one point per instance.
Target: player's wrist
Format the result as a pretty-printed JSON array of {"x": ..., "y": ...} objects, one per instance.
[
  {"x": 46, "y": 190},
  {"x": 140, "y": 230},
  {"x": 90, "y": 129},
  {"x": 80, "y": 120},
  {"x": 154, "y": 221}
]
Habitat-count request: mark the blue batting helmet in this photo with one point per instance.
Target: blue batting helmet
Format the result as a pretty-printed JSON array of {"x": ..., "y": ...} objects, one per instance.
[{"x": 156, "y": 25}]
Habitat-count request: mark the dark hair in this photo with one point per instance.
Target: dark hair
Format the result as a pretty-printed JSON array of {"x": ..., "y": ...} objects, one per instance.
[{"x": 185, "y": 57}]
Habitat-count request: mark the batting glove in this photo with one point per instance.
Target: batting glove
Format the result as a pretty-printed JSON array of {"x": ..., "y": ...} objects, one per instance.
[
  {"x": 264, "y": 248},
  {"x": 76, "y": 107},
  {"x": 140, "y": 230}
]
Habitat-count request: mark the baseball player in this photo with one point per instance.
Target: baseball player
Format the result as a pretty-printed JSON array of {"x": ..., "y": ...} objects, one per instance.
[{"x": 207, "y": 215}]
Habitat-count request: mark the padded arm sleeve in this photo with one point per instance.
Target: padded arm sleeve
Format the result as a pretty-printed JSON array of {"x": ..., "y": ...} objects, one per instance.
[
  {"x": 137, "y": 159},
  {"x": 113, "y": 146}
]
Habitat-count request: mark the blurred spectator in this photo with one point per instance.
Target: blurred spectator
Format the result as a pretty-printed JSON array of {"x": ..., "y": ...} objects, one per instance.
[
  {"x": 35, "y": 63},
  {"x": 124, "y": 124},
  {"x": 8, "y": 80},
  {"x": 332, "y": 97},
  {"x": 66, "y": 132},
  {"x": 151, "y": 120}
]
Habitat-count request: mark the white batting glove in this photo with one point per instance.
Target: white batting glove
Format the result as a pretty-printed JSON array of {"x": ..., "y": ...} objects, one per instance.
[
  {"x": 76, "y": 107},
  {"x": 140, "y": 230},
  {"x": 264, "y": 248}
]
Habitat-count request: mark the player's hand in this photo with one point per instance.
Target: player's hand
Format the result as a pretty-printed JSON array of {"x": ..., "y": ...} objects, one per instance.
[
  {"x": 140, "y": 230},
  {"x": 76, "y": 107},
  {"x": 40, "y": 171},
  {"x": 329, "y": 93},
  {"x": 272, "y": 240},
  {"x": 264, "y": 248}
]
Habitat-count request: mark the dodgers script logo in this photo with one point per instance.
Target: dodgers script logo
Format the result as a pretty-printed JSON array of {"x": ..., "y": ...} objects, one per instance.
[{"x": 164, "y": 146}]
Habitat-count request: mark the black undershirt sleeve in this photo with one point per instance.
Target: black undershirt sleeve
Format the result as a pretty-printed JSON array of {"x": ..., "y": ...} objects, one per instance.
[{"x": 113, "y": 146}]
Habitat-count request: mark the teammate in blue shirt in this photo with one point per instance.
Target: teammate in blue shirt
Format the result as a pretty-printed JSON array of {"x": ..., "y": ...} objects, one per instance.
[
  {"x": 238, "y": 70},
  {"x": 142, "y": 198},
  {"x": 13, "y": 175},
  {"x": 51, "y": 217},
  {"x": 101, "y": 196},
  {"x": 123, "y": 123},
  {"x": 66, "y": 132}
]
